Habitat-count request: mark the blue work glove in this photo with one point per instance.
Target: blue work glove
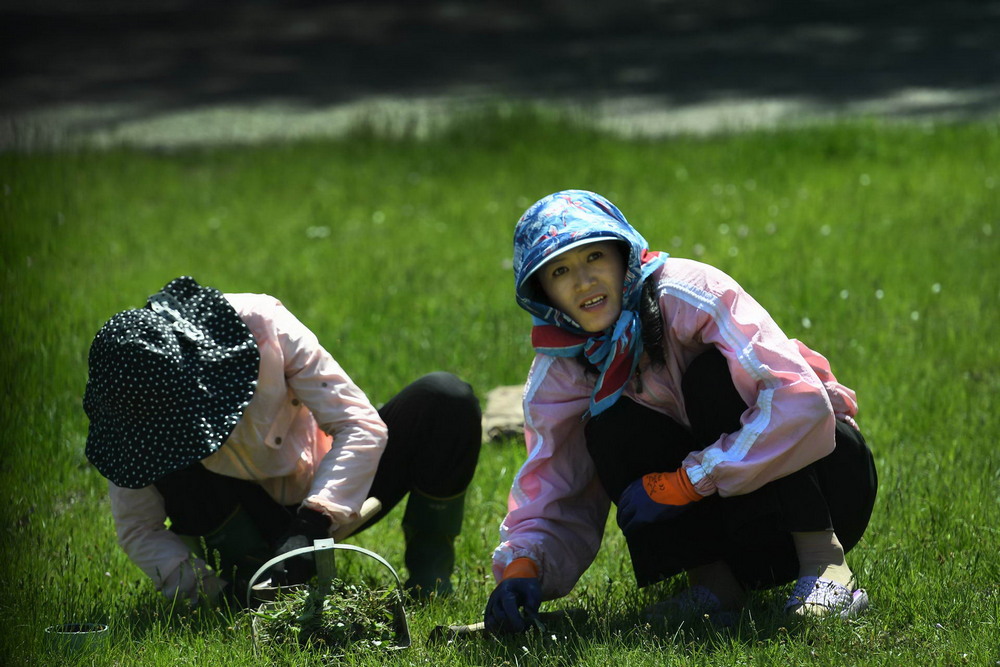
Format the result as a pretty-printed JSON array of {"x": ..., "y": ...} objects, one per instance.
[
  {"x": 658, "y": 496},
  {"x": 307, "y": 527},
  {"x": 519, "y": 589}
]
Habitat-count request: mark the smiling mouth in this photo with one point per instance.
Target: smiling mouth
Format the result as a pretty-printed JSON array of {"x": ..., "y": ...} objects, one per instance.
[{"x": 593, "y": 303}]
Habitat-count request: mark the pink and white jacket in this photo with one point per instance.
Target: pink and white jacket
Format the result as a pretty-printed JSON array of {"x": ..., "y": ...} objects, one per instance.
[
  {"x": 309, "y": 434},
  {"x": 557, "y": 508}
]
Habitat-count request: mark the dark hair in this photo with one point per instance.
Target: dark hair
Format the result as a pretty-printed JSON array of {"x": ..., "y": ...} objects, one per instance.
[{"x": 652, "y": 323}]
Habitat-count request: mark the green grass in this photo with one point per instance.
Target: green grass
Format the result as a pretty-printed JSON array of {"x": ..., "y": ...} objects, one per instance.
[{"x": 875, "y": 244}]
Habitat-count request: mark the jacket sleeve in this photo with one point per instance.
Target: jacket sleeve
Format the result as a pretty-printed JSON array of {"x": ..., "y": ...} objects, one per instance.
[
  {"x": 557, "y": 508},
  {"x": 843, "y": 399},
  {"x": 790, "y": 420},
  {"x": 344, "y": 475},
  {"x": 139, "y": 518}
]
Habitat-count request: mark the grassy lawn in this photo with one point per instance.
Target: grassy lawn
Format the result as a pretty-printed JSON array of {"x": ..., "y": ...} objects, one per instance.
[{"x": 877, "y": 245}]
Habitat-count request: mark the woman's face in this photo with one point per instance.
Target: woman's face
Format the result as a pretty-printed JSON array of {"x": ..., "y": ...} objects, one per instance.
[{"x": 585, "y": 283}]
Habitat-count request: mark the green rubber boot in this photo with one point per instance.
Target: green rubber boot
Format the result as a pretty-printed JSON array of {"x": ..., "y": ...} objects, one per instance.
[{"x": 430, "y": 526}]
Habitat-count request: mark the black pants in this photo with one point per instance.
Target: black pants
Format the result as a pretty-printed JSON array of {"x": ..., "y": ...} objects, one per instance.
[
  {"x": 434, "y": 438},
  {"x": 751, "y": 532}
]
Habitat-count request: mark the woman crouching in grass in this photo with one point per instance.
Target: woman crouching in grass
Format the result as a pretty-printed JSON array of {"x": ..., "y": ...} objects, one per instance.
[
  {"x": 659, "y": 384},
  {"x": 223, "y": 414}
]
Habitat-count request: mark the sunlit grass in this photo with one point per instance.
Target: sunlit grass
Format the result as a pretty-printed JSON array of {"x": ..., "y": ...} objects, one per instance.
[{"x": 876, "y": 245}]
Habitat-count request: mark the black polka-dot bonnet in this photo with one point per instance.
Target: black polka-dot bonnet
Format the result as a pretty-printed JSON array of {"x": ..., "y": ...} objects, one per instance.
[{"x": 168, "y": 383}]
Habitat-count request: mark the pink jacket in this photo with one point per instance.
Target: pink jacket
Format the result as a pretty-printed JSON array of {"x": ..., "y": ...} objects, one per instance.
[
  {"x": 309, "y": 434},
  {"x": 557, "y": 508}
]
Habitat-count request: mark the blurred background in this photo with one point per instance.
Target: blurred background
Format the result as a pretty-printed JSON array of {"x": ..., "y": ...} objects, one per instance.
[{"x": 186, "y": 70}]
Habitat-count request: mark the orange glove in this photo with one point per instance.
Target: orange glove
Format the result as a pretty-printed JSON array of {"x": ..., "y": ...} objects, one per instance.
[
  {"x": 655, "y": 497},
  {"x": 519, "y": 568},
  {"x": 670, "y": 488},
  {"x": 515, "y": 600}
]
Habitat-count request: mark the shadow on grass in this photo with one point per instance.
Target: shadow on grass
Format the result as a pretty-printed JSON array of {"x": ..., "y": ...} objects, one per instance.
[{"x": 578, "y": 637}]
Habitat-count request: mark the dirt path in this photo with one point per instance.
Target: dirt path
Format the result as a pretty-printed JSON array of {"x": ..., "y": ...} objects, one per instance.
[{"x": 175, "y": 71}]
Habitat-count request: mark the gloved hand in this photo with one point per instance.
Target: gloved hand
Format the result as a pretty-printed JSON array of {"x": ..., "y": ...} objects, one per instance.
[
  {"x": 519, "y": 588},
  {"x": 658, "y": 496},
  {"x": 308, "y": 526}
]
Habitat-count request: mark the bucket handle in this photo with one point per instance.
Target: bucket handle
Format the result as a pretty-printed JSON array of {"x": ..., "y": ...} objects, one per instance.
[
  {"x": 369, "y": 508},
  {"x": 318, "y": 545}
]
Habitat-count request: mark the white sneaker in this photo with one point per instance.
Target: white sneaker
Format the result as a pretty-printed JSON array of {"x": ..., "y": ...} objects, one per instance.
[{"x": 826, "y": 597}]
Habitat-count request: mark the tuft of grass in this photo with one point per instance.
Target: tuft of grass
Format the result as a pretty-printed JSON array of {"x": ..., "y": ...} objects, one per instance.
[
  {"x": 328, "y": 621},
  {"x": 874, "y": 244}
]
